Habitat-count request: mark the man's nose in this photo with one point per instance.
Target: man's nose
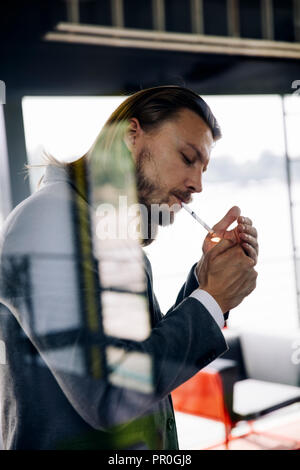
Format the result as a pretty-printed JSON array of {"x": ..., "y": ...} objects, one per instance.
[{"x": 195, "y": 183}]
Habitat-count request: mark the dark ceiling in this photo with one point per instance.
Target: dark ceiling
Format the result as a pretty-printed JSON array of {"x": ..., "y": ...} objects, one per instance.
[{"x": 31, "y": 66}]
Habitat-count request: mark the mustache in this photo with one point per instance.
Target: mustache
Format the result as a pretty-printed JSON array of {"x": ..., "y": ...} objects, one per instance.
[{"x": 185, "y": 196}]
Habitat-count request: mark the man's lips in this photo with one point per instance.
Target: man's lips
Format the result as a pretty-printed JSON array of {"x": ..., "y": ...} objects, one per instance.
[{"x": 181, "y": 199}]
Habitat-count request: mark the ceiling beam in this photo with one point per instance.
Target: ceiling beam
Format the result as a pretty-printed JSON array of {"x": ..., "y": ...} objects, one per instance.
[{"x": 195, "y": 43}]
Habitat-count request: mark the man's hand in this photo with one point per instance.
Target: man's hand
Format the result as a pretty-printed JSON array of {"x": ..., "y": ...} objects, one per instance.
[
  {"x": 244, "y": 233},
  {"x": 227, "y": 273}
]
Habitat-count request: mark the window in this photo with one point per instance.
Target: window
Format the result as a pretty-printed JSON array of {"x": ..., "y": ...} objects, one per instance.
[
  {"x": 247, "y": 169},
  {"x": 65, "y": 127}
]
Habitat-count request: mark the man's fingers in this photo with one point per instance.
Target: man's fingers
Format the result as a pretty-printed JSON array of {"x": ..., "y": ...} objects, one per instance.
[
  {"x": 228, "y": 219},
  {"x": 250, "y": 283},
  {"x": 244, "y": 220},
  {"x": 247, "y": 229},
  {"x": 252, "y": 252},
  {"x": 249, "y": 239},
  {"x": 221, "y": 247}
]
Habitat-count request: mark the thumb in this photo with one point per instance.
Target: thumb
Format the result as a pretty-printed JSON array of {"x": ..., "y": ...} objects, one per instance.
[
  {"x": 221, "y": 247},
  {"x": 228, "y": 219}
]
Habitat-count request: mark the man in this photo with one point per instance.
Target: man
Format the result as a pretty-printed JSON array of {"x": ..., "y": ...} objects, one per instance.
[{"x": 71, "y": 381}]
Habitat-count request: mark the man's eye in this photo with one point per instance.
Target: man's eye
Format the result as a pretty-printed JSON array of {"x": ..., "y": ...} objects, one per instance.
[{"x": 186, "y": 160}]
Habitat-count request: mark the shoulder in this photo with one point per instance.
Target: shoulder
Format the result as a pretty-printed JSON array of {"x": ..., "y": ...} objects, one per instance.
[{"x": 40, "y": 222}]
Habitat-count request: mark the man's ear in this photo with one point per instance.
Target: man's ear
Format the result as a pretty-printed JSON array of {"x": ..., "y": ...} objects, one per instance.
[{"x": 132, "y": 134}]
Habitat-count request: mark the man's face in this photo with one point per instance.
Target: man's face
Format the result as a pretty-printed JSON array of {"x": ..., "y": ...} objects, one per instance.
[{"x": 170, "y": 159}]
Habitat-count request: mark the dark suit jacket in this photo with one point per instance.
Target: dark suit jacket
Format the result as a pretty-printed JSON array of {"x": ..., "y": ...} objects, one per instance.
[{"x": 47, "y": 401}]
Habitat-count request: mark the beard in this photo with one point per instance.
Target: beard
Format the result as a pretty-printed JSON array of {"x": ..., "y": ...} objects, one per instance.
[{"x": 149, "y": 194}]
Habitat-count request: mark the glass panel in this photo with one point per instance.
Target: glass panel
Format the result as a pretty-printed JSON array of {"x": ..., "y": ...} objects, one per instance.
[
  {"x": 247, "y": 169},
  {"x": 92, "y": 280}
]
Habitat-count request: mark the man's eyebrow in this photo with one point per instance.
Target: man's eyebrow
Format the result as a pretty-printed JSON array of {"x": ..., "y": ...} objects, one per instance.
[{"x": 198, "y": 152}]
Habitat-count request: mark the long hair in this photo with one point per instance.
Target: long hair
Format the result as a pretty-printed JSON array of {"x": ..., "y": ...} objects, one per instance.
[{"x": 152, "y": 107}]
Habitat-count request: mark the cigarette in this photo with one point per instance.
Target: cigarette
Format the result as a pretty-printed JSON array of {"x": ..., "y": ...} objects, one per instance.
[{"x": 189, "y": 210}]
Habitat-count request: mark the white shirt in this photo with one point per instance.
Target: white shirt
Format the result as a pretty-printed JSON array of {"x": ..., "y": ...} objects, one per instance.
[{"x": 210, "y": 304}]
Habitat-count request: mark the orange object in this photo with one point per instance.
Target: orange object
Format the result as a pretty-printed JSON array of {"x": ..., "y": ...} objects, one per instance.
[{"x": 203, "y": 395}]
